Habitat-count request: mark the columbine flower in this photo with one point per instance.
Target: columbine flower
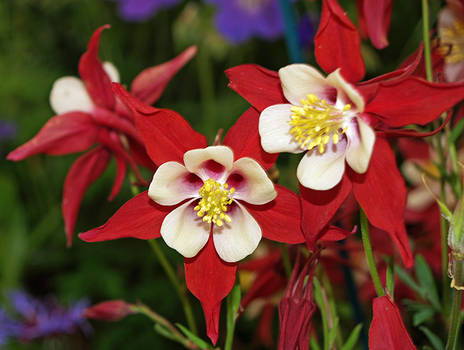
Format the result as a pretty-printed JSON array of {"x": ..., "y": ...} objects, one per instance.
[
  {"x": 322, "y": 118},
  {"x": 374, "y": 20},
  {"x": 387, "y": 330},
  {"x": 336, "y": 117},
  {"x": 211, "y": 204},
  {"x": 141, "y": 10},
  {"x": 88, "y": 113},
  {"x": 261, "y": 18}
]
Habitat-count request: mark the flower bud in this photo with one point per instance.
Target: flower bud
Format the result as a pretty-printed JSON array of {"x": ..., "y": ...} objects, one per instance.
[{"x": 112, "y": 310}]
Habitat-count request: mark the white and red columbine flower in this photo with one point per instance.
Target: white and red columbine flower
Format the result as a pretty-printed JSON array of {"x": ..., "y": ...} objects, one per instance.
[
  {"x": 212, "y": 204},
  {"x": 322, "y": 119}
]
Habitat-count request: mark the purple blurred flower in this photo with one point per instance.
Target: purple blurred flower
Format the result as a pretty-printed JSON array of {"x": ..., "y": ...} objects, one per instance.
[
  {"x": 239, "y": 20},
  {"x": 9, "y": 328},
  {"x": 44, "y": 318},
  {"x": 7, "y": 130},
  {"x": 141, "y": 10}
]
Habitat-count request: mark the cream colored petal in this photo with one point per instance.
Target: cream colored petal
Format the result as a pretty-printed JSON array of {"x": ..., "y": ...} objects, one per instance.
[
  {"x": 69, "y": 94},
  {"x": 112, "y": 71},
  {"x": 204, "y": 161},
  {"x": 322, "y": 171},
  {"x": 344, "y": 90},
  {"x": 360, "y": 145},
  {"x": 446, "y": 19},
  {"x": 172, "y": 183},
  {"x": 184, "y": 231},
  {"x": 238, "y": 239},
  {"x": 251, "y": 182},
  {"x": 274, "y": 129},
  {"x": 454, "y": 72},
  {"x": 419, "y": 199},
  {"x": 299, "y": 80}
]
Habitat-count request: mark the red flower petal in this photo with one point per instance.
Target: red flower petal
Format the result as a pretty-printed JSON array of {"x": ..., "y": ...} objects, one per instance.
[
  {"x": 96, "y": 81},
  {"x": 319, "y": 207},
  {"x": 116, "y": 122},
  {"x": 334, "y": 234},
  {"x": 280, "y": 219},
  {"x": 139, "y": 217},
  {"x": 337, "y": 43},
  {"x": 381, "y": 192},
  {"x": 210, "y": 279},
  {"x": 414, "y": 101},
  {"x": 259, "y": 86},
  {"x": 62, "y": 134},
  {"x": 151, "y": 82},
  {"x": 85, "y": 170},
  {"x": 387, "y": 329},
  {"x": 377, "y": 15},
  {"x": 243, "y": 137},
  {"x": 120, "y": 174},
  {"x": 166, "y": 134}
]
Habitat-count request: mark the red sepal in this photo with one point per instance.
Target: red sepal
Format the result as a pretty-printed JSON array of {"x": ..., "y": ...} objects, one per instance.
[
  {"x": 139, "y": 217},
  {"x": 334, "y": 234},
  {"x": 149, "y": 84},
  {"x": 97, "y": 82},
  {"x": 414, "y": 101},
  {"x": 337, "y": 43},
  {"x": 85, "y": 170},
  {"x": 121, "y": 168},
  {"x": 62, "y": 134},
  {"x": 318, "y": 208},
  {"x": 387, "y": 329},
  {"x": 115, "y": 122},
  {"x": 166, "y": 134},
  {"x": 381, "y": 192},
  {"x": 377, "y": 17},
  {"x": 279, "y": 219},
  {"x": 259, "y": 86},
  {"x": 243, "y": 137},
  {"x": 210, "y": 279}
]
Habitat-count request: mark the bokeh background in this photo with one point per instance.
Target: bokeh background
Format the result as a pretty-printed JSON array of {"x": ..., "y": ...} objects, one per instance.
[{"x": 42, "y": 40}]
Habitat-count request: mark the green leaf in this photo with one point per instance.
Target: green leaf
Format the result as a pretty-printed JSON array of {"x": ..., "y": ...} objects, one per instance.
[
  {"x": 333, "y": 332},
  {"x": 314, "y": 344},
  {"x": 318, "y": 296},
  {"x": 427, "y": 282},
  {"x": 353, "y": 338},
  {"x": 456, "y": 132},
  {"x": 233, "y": 304},
  {"x": 422, "y": 316},
  {"x": 408, "y": 280},
  {"x": 195, "y": 339},
  {"x": 433, "y": 338}
]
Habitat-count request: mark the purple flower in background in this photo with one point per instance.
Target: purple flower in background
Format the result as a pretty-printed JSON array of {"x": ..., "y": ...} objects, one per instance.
[
  {"x": 7, "y": 130},
  {"x": 141, "y": 10},
  {"x": 239, "y": 20},
  {"x": 41, "y": 318}
]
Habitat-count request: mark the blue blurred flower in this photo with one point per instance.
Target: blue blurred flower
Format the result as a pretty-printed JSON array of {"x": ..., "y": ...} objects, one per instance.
[
  {"x": 239, "y": 20},
  {"x": 40, "y": 318},
  {"x": 140, "y": 10}
]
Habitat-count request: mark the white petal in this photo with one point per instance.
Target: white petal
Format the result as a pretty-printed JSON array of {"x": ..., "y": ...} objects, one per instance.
[
  {"x": 172, "y": 183},
  {"x": 361, "y": 143},
  {"x": 238, "y": 239},
  {"x": 454, "y": 71},
  {"x": 446, "y": 20},
  {"x": 344, "y": 90},
  {"x": 323, "y": 171},
  {"x": 274, "y": 129},
  {"x": 299, "y": 80},
  {"x": 210, "y": 162},
  {"x": 69, "y": 94},
  {"x": 419, "y": 199},
  {"x": 184, "y": 231},
  {"x": 112, "y": 71},
  {"x": 251, "y": 182}
]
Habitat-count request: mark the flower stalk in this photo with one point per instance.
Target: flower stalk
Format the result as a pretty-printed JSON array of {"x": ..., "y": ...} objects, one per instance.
[{"x": 455, "y": 325}]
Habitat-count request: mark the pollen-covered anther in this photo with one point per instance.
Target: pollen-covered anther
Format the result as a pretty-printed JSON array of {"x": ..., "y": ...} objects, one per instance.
[
  {"x": 316, "y": 122},
  {"x": 215, "y": 197},
  {"x": 452, "y": 42}
]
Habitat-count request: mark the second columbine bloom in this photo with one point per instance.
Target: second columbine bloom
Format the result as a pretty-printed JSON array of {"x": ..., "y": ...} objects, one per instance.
[
  {"x": 323, "y": 117},
  {"x": 212, "y": 186}
]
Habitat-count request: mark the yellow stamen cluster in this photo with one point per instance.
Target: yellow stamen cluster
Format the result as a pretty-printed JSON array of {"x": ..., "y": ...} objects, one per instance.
[
  {"x": 452, "y": 42},
  {"x": 215, "y": 198},
  {"x": 315, "y": 123}
]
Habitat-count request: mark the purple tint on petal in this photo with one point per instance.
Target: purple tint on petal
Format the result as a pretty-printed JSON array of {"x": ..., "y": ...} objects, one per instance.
[
  {"x": 239, "y": 20},
  {"x": 140, "y": 10}
]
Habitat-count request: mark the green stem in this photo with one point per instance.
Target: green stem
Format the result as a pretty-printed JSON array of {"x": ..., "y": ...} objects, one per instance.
[
  {"x": 369, "y": 254},
  {"x": 455, "y": 324},
  {"x": 426, "y": 37},
  {"x": 444, "y": 254},
  {"x": 175, "y": 282},
  {"x": 286, "y": 260}
]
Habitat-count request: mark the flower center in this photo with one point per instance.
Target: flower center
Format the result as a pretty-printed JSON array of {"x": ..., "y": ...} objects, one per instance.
[
  {"x": 315, "y": 123},
  {"x": 215, "y": 197},
  {"x": 452, "y": 39}
]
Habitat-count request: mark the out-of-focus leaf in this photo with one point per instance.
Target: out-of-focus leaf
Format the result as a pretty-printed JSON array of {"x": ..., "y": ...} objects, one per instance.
[
  {"x": 353, "y": 338},
  {"x": 433, "y": 338},
  {"x": 427, "y": 282},
  {"x": 422, "y": 315},
  {"x": 195, "y": 339}
]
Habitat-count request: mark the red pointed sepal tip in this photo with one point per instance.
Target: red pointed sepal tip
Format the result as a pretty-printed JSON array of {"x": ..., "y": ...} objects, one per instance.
[
  {"x": 210, "y": 279},
  {"x": 387, "y": 330}
]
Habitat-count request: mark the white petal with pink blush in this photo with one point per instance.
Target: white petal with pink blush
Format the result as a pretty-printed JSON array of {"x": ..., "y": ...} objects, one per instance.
[
  {"x": 209, "y": 162},
  {"x": 323, "y": 119}
]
